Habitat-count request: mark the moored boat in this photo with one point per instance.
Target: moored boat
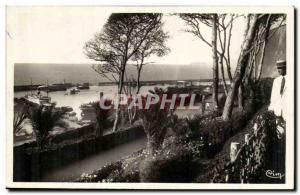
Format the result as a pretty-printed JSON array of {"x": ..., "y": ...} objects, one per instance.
[
  {"x": 74, "y": 90},
  {"x": 38, "y": 99}
]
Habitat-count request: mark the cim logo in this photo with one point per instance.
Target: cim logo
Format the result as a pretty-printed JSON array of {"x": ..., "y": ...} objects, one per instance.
[{"x": 272, "y": 174}]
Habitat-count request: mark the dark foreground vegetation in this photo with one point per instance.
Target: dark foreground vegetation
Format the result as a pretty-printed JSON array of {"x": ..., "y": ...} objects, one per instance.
[
  {"x": 196, "y": 149},
  {"x": 191, "y": 149}
]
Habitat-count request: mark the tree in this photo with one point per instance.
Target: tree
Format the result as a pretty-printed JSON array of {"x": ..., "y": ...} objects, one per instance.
[
  {"x": 224, "y": 28},
  {"x": 122, "y": 37},
  {"x": 155, "y": 44},
  {"x": 257, "y": 53},
  {"x": 253, "y": 21},
  {"x": 221, "y": 25},
  {"x": 43, "y": 119},
  {"x": 255, "y": 39},
  {"x": 215, "y": 61},
  {"x": 263, "y": 34}
]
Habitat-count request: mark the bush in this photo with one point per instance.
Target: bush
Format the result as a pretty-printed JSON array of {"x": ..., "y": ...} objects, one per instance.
[
  {"x": 177, "y": 168},
  {"x": 102, "y": 115},
  {"x": 130, "y": 168},
  {"x": 124, "y": 176},
  {"x": 259, "y": 92},
  {"x": 102, "y": 174},
  {"x": 43, "y": 119},
  {"x": 180, "y": 127},
  {"x": 265, "y": 151},
  {"x": 156, "y": 121}
]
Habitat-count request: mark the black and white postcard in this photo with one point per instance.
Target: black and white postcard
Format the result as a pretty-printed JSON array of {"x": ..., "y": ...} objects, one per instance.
[{"x": 150, "y": 97}]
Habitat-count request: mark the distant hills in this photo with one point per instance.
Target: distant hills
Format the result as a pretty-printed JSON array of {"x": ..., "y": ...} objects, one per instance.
[{"x": 79, "y": 73}]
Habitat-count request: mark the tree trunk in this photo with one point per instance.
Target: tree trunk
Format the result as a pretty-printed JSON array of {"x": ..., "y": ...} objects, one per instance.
[
  {"x": 116, "y": 116},
  {"x": 240, "y": 69},
  {"x": 223, "y": 76},
  {"x": 139, "y": 70},
  {"x": 215, "y": 63},
  {"x": 262, "y": 57},
  {"x": 203, "y": 104},
  {"x": 228, "y": 52},
  {"x": 241, "y": 97},
  {"x": 120, "y": 89}
]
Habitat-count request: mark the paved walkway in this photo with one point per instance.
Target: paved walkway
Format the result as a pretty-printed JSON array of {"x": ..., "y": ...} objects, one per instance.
[{"x": 94, "y": 162}]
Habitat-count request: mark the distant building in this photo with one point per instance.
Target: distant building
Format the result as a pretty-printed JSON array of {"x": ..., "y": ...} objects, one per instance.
[{"x": 181, "y": 83}]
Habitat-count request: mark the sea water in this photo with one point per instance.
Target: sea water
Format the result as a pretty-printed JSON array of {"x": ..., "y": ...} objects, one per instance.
[{"x": 83, "y": 97}]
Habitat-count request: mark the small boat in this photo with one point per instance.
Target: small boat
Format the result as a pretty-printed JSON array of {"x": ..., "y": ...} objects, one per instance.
[
  {"x": 74, "y": 90},
  {"x": 84, "y": 86}
]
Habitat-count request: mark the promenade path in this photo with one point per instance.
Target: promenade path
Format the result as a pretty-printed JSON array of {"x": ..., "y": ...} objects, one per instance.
[{"x": 71, "y": 172}]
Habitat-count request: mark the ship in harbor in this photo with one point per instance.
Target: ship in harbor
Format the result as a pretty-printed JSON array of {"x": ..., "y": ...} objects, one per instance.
[
  {"x": 56, "y": 87},
  {"x": 39, "y": 99},
  {"x": 52, "y": 87},
  {"x": 83, "y": 86}
]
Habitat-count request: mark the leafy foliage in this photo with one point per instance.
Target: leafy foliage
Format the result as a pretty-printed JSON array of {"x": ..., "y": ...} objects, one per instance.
[
  {"x": 19, "y": 118},
  {"x": 259, "y": 92},
  {"x": 156, "y": 121},
  {"x": 265, "y": 151},
  {"x": 43, "y": 120},
  {"x": 126, "y": 36},
  {"x": 102, "y": 115},
  {"x": 176, "y": 168}
]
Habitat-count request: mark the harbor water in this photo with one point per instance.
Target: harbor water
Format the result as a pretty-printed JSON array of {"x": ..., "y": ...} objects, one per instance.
[{"x": 84, "y": 96}]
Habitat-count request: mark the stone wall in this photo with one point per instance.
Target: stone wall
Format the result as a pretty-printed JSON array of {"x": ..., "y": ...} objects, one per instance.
[{"x": 31, "y": 165}]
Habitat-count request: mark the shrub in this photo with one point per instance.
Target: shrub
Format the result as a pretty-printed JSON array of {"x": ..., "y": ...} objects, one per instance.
[
  {"x": 264, "y": 152},
  {"x": 102, "y": 174},
  {"x": 43, "y": 120},
  {"x": 259, "y": 92},
  {"x": 102, "y": 115},
  {"x": 180, "y": 127},
  {"x": 19, "y": 117},
  {"x": 178, "y": 167},
  {"x": 130, "y": 168},
  {"x": 155, "y": 122}
]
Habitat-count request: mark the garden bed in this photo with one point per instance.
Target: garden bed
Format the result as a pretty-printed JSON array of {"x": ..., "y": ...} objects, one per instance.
[{"x": 185, "y": 154}]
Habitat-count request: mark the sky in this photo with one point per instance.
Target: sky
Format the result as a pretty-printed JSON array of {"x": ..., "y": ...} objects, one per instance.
[{"x": 57, "y": 35}]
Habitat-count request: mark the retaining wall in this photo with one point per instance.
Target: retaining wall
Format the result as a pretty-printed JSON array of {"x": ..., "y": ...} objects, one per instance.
[{"x": 30, "y": 166}]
